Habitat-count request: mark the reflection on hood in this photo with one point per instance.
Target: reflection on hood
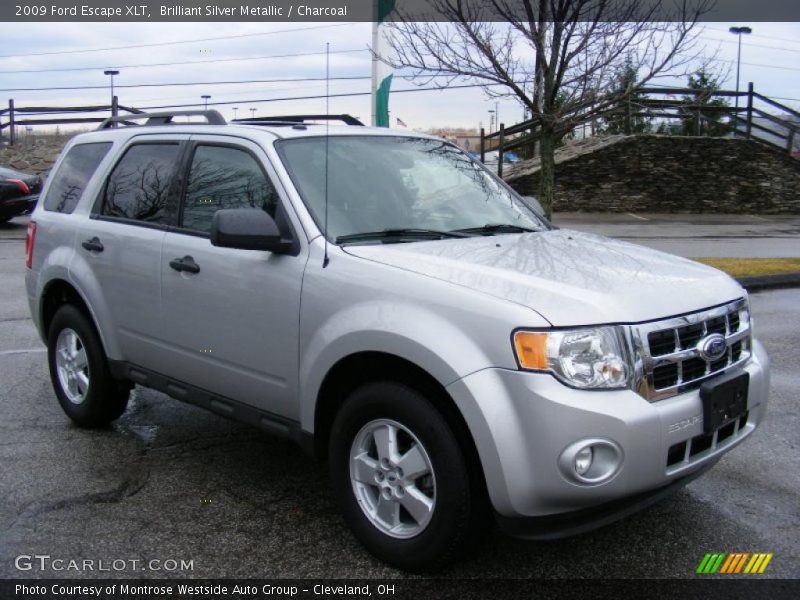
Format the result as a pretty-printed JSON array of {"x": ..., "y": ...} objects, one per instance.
[{"x": 570, "y": 278}]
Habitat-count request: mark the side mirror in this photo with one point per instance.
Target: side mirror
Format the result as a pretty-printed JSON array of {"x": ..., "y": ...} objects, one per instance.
[
  {"x": 247, "y": 229},
  {"x": 535, "y": 206}
]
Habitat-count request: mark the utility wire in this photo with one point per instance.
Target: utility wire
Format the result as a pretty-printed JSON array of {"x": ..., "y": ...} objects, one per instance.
[
  {"x": 757, "y": 35},
  {"x": 207, "y": 83},
  {"x": 285, "y": 80},
  {"x": 749, "y": 44},
  {"x": 192, "y": 41},
  {"x": 188, "y": 62},
  {"x": 318, "y": 97},
  {"x": 179, "y": 84},
  {"x": 341, "y": 95}
]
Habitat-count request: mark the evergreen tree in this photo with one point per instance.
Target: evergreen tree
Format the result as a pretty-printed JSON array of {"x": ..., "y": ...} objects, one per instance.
[
  {"x": 710, "y": 121},
  {"x": 624, "y": 85}
]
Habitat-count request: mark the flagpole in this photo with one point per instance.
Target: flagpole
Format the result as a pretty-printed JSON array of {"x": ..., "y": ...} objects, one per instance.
[{"x": 374, "y": 96}]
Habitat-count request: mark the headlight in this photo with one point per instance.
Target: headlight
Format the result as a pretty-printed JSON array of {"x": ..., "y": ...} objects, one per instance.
[{"x": 592, "y": 358}]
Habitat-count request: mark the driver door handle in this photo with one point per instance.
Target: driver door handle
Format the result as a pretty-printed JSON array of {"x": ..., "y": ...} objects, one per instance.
[{"x": 185, "y": 264}]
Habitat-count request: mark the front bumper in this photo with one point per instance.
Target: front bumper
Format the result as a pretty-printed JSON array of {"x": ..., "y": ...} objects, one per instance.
[
  {"x": 522, "y": 422},
  {"x": 563, "y": 525}
]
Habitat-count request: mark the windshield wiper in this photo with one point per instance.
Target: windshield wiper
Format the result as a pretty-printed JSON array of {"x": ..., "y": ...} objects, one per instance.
[
  {"x": 496, "y": 228},
  {"x": 410, "y": 232}
]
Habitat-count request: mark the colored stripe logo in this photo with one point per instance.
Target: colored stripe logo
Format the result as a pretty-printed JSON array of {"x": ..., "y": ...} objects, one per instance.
[{"x": 734, "y": 563}]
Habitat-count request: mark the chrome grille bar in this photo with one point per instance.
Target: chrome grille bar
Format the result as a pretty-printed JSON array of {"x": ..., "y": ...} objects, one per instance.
[{"x": 667, "y": 374}]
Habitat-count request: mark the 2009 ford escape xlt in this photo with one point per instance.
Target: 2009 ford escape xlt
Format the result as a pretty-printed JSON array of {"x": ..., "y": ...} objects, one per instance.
[{"x": 393, "y": 307}]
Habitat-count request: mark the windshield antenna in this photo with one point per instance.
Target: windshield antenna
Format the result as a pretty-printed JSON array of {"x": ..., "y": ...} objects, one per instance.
[{"x": 325, "y": 259}]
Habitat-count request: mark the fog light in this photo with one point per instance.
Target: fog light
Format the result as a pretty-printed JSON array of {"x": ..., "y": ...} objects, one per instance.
[
  {"x": 593, "y": 461},
  {"x": 583, "y": 460}
]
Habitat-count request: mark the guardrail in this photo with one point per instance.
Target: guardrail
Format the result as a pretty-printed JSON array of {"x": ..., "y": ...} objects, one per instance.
[{"x": 758, "y": 118}]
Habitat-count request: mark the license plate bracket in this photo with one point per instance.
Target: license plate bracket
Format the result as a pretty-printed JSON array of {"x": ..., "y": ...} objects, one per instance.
[{"x": 724, "y": 399}]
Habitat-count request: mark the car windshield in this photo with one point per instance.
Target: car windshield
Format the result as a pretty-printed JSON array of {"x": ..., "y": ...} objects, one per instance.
[{"x": 410, "y": 188}]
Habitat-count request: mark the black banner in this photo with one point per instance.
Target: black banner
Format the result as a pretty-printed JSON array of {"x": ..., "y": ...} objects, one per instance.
[
  {"x": 364, "y": 10},
  {"x": 742, "y": 587}
]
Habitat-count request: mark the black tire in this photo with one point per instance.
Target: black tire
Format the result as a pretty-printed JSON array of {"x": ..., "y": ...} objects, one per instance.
[
  {"x": 106, "y": 398},
  {"x": 459, "y": 517}
]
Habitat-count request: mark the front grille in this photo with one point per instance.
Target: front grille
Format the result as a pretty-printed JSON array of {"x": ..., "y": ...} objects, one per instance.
[{"x": 671, "y": 362}]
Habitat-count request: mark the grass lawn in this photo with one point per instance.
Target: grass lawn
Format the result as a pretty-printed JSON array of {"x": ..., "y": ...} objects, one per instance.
[{"x": 750, "y": 267}]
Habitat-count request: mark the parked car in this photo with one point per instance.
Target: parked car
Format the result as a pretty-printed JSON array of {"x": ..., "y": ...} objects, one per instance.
[
  {"x": 19, "y": 193},
  {"x": 492, "y": 157},
  {"x": 386, "y": 302}
]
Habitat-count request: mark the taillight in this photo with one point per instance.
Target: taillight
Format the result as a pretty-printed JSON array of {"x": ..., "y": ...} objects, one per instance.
[
  {"x": 23, "y": 187},
  {"x": 29, "y": 240}
]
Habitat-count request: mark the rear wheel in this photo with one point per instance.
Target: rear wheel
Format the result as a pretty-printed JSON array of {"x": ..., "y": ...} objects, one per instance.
[
  {"x": 85, "y": 389},
  {"x": 401, "y": 478}
]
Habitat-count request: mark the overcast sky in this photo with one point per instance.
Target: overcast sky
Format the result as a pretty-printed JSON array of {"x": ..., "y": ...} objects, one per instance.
[{"x": 770, "y": 59}]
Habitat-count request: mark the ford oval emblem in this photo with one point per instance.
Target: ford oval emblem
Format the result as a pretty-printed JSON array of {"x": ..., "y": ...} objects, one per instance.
[{"x": 712, "y": 347}]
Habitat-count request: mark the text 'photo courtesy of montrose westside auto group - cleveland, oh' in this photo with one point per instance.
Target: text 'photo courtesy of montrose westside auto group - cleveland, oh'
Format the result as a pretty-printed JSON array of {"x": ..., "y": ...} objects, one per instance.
[{"x": 399, "y": 299}]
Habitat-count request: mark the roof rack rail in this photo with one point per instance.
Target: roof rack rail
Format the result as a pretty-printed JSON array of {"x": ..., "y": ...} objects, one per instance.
[
  {"x": 294, "y": 119},
  {"x": 213, "y": 117}
]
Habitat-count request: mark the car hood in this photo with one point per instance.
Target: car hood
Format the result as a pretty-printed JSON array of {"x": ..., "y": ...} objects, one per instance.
[{"x": 568, "y": 277}]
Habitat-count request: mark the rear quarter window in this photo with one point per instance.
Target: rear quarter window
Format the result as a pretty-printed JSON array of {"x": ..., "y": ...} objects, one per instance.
[
  {"x": 75, "y": 171},
  {"x": 140, "y": 184}
]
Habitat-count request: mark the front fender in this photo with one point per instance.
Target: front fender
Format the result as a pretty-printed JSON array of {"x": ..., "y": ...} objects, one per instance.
[{"x": 428, "y": 341}]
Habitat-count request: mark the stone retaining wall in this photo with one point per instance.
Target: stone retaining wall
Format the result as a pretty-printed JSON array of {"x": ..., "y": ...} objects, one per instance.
[
  {"x": 34, "y": 156},
  {"x": 651, "y": 173}
]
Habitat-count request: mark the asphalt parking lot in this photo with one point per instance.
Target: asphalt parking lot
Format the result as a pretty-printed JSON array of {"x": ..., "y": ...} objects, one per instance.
[
  {"x": 754, "y": 236},
  {"x": 172, "y": 482}
]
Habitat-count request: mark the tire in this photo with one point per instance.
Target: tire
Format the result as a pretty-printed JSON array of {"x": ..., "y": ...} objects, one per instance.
[
  {"x": 85, "y": 389},
  {"x": 457, "y": 517}
]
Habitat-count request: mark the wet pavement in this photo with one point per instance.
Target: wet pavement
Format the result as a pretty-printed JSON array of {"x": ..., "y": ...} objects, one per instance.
[{"x": 171, "y": 482}]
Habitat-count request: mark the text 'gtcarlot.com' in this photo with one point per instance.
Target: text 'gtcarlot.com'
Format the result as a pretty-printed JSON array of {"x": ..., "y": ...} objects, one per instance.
[{"x": 45, "y": 562}]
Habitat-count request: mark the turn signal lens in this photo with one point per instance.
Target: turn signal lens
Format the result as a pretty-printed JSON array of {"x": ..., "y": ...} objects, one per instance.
[{"x": 531, "y": 349}]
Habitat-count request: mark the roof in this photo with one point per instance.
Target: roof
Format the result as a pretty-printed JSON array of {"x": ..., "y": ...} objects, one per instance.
[{"x": 253, "y": 132}]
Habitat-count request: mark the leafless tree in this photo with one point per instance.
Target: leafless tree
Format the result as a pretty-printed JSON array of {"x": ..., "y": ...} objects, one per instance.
[{"x": 559, "y": 58}]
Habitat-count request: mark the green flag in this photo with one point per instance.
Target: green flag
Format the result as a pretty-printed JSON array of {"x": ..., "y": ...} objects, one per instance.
[{"x": 381, "y": 72}]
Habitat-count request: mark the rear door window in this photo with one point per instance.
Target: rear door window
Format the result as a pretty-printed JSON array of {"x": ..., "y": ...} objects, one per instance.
[
  {"x": 75, "y": 171},
  {"x": 141, "y": 183}
]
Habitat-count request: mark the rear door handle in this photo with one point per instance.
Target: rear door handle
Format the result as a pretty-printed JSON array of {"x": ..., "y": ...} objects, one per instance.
[
  {"x": 185, "y": 264},
  {"x": 93, "y": 245}
]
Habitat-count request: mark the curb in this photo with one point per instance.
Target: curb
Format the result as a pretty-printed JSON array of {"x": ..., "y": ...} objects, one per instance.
[{"x": 770, "y": 282}]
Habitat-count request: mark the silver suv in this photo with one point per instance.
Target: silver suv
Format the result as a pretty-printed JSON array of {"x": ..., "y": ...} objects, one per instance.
[{"x": 393, "y": 307}]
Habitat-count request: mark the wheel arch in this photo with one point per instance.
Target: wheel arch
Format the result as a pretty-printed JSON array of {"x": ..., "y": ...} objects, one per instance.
[
  {"x": 55, "y": 294},
  {"x": 355, "y": 370}
]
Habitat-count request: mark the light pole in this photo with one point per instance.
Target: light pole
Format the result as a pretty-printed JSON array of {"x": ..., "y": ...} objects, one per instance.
[
  {"x": 205, "y": 98},
  {"x": 235, "y": 108},
  {"x": 111, "y": 72},
  {"x": 253, "y": 112},
  {"x": 738, "y": 31}
]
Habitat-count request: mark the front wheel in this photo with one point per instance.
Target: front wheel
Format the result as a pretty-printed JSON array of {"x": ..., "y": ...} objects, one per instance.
[{"x": 401, "y": 478}]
